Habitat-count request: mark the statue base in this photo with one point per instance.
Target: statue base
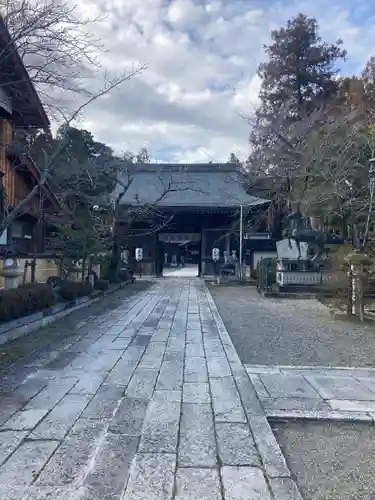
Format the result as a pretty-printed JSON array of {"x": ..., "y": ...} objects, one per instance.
[
  {"x": 301, "y": 274},
  {"x": 300, "y": 278}
]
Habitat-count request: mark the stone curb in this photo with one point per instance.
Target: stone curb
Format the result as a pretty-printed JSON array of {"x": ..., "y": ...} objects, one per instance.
[
  {"x": 275, "y": 466},
  {"x": 289, "y": 295},
  {"x": 320, "y": 415},
  {"x": 304, "y": 368},
  {"x": 11, "y": 330}
]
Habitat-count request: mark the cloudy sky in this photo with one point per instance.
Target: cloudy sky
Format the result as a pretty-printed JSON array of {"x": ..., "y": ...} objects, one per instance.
[{"x": 202, "y": 58}]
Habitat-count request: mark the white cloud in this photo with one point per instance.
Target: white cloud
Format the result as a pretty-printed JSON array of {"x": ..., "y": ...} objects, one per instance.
[
  {"x": 203, "y": 56},
  {"x": 185, "y": 13}
]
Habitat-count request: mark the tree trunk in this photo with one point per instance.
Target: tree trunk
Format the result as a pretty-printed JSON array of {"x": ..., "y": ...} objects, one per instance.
[
  {"x": 350, "y": 292},
  {"x": 360, "y": 293},
  {"x": 115, "y": 255}
]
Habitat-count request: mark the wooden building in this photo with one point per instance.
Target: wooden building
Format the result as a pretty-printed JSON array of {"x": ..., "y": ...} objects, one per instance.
[
  {"x": 20, "y": 107},
  {"x": 186, "y": 211}
]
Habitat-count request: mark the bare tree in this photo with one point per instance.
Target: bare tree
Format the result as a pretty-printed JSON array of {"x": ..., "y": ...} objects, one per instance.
[
  {"x": 91, "y": 189},
  {"x": 125, "y": 216},
  {"x": 324, "y": 164},
  {"x": 319, "y": 163},
  {"x": 50, "y": 160},
  {"x": 56, "y": 45}
]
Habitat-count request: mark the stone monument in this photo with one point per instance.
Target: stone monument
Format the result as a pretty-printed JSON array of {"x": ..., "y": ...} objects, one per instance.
[{"x": 301, "y": 255}]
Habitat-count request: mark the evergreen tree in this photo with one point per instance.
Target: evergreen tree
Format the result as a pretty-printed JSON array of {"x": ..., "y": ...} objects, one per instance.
[
  {"x": 233, "y": 158},
  {"x": 301, "y": 67},
  {"x": 298, "y": 76},
  {"x": 298, "y": 81}
]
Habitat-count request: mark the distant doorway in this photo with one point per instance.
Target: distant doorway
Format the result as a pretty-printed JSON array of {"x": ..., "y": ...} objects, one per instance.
[
  {"x": 188, "y": 271},
  {"x": 180, "y": 254}
]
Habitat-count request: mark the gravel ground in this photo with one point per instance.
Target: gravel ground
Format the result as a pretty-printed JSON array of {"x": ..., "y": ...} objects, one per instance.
[
  {"x": 291, "y": 332},
  {"x": 24, "y": 350},
  {"x": 330, "y": 461}
]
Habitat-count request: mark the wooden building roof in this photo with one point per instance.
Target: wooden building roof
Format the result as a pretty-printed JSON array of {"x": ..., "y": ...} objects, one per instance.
[
  {"x": 26, "y": 109},
  {"x": 197, "y": 185}
]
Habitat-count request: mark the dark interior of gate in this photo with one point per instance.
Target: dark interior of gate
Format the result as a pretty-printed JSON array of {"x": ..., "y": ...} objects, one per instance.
[{"x": 182, "y": 253}]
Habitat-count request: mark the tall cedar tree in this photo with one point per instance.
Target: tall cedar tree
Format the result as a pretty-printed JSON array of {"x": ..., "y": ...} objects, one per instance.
[
  {"x": 298, "y": 76},
  {"x": 297, "y": 79}
]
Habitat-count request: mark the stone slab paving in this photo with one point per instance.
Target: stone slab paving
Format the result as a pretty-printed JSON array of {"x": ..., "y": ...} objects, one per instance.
[
  {"x": 318, "y": 393},
  {"x": 153, "y": 403}
]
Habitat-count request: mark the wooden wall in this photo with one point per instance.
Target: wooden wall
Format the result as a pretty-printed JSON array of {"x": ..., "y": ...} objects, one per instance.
[
  {"x": 15, "y": 186},
  {"x": 5, "y": 168}
]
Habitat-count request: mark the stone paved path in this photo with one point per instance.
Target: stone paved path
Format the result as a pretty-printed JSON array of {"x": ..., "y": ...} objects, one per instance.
[
  {"x": 315, "y": 379},
  {"x": 320, "y": 393},
  {"x": 151, "y": 403}
]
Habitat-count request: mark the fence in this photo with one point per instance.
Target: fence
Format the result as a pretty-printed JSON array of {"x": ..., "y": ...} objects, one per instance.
[{"x": 266, "y": 274}]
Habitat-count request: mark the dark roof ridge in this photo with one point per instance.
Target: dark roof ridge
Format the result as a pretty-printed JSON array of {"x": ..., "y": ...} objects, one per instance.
[{"x": 189, "y": 167}]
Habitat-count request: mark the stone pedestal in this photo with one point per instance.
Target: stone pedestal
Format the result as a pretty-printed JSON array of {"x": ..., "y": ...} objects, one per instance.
[
  {"x": 300, "y": 278},
  {"x": 10, "y": 282}
]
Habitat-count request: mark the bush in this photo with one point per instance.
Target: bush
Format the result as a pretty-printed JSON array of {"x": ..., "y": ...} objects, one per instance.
[
  {"x": 55, "y": 281},
  {"x": 28, "y": 298},
  {"x": 28, "y": 285},
  {"x": 70, "y": 290},
  {"x": 101, "y": 284},
  {"x": 125, "y": 274}
]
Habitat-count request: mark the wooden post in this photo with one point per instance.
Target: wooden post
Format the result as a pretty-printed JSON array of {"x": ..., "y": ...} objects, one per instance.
[
  {"x": 201, "y": 271},
  {"x": 25, "y": 271},
  {"x": 33, "y": 267}
]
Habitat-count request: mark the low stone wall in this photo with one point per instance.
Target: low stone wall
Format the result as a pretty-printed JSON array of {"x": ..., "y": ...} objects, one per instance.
[{"x": 11, "y": 330}]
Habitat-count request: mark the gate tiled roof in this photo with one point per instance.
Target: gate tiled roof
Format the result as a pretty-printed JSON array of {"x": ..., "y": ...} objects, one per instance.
[{"x": 187, "y": 185}]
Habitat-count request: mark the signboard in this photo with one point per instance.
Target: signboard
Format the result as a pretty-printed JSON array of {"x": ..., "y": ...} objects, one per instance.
[
  {"x": 256, "y": 236},
  {"x": 179, "y": 237}
]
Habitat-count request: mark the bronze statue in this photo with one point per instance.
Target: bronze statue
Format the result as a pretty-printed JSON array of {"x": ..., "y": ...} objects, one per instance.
[{"x": 299, "y": 229}]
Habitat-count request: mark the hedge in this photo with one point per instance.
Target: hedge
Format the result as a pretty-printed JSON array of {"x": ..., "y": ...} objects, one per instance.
[
  {"x": 24, "y": 300},
  {"x": 70, "y": 290},
  {"x": 125, "y": 274},
  {"x": 101, "y": 284}
]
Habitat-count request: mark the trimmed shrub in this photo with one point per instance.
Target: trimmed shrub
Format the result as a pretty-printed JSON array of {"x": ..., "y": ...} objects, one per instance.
[
  {"x": 55, "y": 281},
  {"x": 27, "y": 285},
  {"x": 253, "y": 274},
  {"x": 125, "y": 274},
  {"x": 101, "y": 284},
  {"x": 70, "y": 290},
  {"x": 24, "y": 300}
]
